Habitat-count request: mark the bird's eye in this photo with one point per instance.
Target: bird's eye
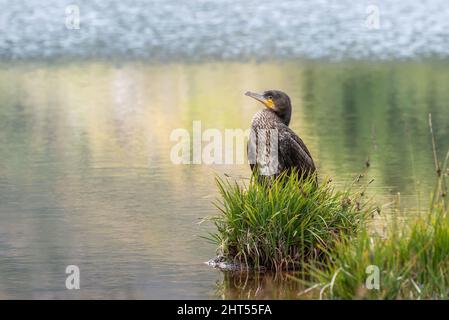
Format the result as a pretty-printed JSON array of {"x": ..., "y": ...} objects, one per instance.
[{"x": 270, "y": 97}]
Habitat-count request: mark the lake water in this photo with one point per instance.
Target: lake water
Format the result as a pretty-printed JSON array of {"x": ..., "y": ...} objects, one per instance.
[
  {"x": 86, "y": 177},
  {"x": 228, "y": 29}
]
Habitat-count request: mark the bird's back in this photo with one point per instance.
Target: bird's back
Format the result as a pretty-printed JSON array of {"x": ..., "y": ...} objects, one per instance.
[{"x": 273, "y": 147}]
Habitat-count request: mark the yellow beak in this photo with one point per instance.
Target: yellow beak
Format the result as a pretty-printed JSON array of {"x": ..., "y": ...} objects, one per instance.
[{"x": 267, "y": 102}]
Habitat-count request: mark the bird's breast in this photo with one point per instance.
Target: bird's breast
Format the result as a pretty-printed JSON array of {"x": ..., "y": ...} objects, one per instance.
[{"x": 265, "y": 119}]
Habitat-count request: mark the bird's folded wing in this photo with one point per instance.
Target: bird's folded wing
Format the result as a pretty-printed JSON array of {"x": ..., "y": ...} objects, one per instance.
[{"x": 294, "y": 151}]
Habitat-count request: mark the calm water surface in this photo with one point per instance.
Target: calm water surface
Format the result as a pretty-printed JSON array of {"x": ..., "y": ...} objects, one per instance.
[{"x": 86, "y": 176}]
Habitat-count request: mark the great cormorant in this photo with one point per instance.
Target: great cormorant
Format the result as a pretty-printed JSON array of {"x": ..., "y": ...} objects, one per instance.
[{"x": 289, "y": 151}]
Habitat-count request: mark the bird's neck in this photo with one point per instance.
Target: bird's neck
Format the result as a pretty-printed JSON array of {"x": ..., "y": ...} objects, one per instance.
[
  {"x": 286, "y": 118},
  {"x": 283, "y": 117}
]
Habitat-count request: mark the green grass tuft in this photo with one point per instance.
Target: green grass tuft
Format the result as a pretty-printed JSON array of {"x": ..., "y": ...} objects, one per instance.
[
  {"x": 282, "y": 225},
  {"x": 413, "y": 260},
  {"x": 413, "y": 263}
]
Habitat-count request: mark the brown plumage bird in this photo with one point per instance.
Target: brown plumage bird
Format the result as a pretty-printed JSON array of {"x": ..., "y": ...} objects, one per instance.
[{"x": 273, "y": 147}]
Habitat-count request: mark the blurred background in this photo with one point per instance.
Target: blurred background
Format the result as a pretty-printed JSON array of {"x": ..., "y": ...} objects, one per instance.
[
  {"x": 90, "y": 92},
  {"x": 195, "y": 30}
]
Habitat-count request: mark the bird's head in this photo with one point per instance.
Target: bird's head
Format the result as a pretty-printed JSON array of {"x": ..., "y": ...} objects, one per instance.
[{"x": 277, "y": 101}]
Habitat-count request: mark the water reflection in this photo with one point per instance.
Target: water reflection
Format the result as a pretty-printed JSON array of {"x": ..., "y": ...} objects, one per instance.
[
  {"x": 86, "y": 176},
  {"x": 254, "y": 285}
]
